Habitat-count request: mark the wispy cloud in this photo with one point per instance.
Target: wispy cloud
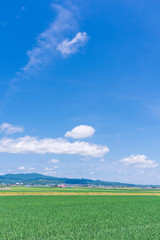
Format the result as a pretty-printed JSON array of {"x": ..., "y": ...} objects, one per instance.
[
  {"x": 49, "y": 40},
  {"x": 139, "y": 161},
  {"x": 8, "y": 128},
  {"x": 25, "y": 145},
  {"x": 70, "y": 47},
  {"x": 48, "y": 44},
  {"x": 81, "y": 131},
  {"x": 53, "y": 161}
]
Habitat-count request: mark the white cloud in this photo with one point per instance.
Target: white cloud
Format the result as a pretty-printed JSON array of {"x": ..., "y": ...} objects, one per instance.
[
  {"x": 70, "y": 47},
  {"x": 81, "y": 131},
  {"x": 139, "y": 161},
  {"x": 27, "y": 144},
  {"x": 53, "y": 161},
  {"x": 10, "y": 129},
  {"x": 47, "y": 41},
  {"x": 21, "y": 168}
]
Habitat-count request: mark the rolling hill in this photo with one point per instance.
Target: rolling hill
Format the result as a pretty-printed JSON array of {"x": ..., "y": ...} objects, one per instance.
[{"x": 39, "y": 179}]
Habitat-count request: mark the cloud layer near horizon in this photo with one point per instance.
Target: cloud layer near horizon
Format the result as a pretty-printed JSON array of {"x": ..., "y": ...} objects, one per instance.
[{"x": 27, "y": 144}]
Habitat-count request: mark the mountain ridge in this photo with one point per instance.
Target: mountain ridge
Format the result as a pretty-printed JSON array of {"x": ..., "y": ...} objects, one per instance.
[{"x": 40, "y": 179}]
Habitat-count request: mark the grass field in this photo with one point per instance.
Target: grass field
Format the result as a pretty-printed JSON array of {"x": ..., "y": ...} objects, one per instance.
[{"x": 79, "y": 217}]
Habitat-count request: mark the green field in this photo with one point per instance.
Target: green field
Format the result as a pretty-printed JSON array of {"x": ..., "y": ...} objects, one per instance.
[{"x": 79, "y": 217}]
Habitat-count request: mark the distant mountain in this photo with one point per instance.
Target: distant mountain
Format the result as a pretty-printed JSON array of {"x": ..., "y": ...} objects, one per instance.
[{"x": 39, "y": 179}]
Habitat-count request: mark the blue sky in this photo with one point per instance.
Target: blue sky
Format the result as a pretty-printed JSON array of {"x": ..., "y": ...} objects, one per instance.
[{"x": 79, "y": 89}]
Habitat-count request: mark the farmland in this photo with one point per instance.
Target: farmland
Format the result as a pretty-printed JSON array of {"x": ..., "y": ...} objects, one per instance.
[
  {"x": 23, "y": 190},
  {"x": 79, "y": 217}
]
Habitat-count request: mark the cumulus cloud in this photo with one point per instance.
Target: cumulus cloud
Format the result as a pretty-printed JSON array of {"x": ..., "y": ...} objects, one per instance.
[
  {"x": 139, "y": 161},
  {"x": 21, "y": 168},
  {"x": 27, "y": 144},
  {"x": 81, "y": 131},
  {"x": 53, "y": 161},
  {"x": 8, "y": 128},
  {"x": 70, "y": 47}
]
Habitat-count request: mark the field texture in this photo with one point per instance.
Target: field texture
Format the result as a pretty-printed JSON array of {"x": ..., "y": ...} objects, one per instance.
[
  {"x": 79, "y": 217},
  {"x": 76, "y": 191}
]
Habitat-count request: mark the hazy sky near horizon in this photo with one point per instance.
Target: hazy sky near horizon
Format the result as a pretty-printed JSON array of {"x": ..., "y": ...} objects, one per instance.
[{"x": 80, "y": 89}]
